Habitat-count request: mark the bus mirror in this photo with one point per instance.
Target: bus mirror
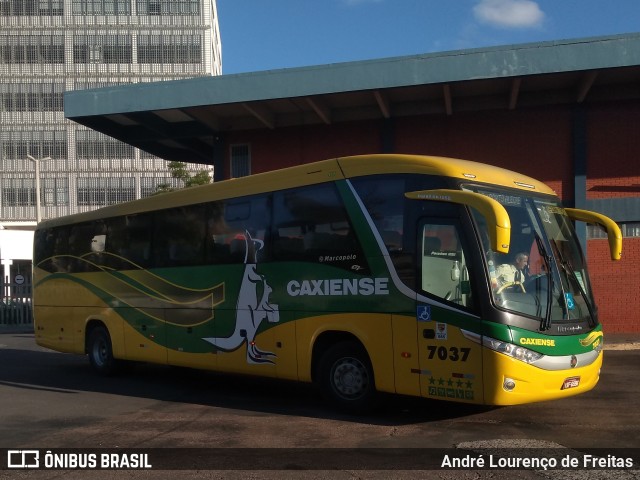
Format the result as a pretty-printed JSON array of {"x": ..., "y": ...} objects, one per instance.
[
  {"x": 498, "y": 222},
  {"x": 614, "y": 234}
]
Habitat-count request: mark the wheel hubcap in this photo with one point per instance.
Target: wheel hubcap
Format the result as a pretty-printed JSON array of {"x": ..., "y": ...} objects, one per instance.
[
  {"x": 100, "y": 352},
  {"x": 350, "y": 378}
]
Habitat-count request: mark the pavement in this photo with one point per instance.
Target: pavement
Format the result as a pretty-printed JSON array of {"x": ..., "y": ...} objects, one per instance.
[{"x": 622, "y": 341}]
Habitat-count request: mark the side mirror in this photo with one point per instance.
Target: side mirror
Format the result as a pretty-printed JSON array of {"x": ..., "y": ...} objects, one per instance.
[{"x": 614, "y": 235}]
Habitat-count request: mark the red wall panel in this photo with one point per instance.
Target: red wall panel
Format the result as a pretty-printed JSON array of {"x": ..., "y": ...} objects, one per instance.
[
  {"x": 534, "y": 142},
  {"x": 286, "y": 147},
  {"x": 614, "y": 151},
  {"x": 616, "y": 285}
]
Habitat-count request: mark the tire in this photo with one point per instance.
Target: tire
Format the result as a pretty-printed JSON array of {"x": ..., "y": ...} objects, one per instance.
[
  {"x": 100, "y": 352},
  {"x": 346, "y": 378}
]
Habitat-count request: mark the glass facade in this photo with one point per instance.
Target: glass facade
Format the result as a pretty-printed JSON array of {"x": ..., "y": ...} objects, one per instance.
[{"x": 51, "y": 46}]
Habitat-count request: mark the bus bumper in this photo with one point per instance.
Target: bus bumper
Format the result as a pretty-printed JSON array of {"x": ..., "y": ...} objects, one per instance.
[{"x": 512, "y": 382}]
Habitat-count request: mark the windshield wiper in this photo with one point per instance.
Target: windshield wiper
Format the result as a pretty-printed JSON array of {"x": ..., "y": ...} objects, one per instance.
[
  {"x": 545, "y": 324},
  {"x": 568, "y": 268},
  {"x": 563, "y": 294}
]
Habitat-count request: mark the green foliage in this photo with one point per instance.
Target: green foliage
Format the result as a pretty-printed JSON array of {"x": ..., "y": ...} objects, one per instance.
[{"x": 179, "y": 170}]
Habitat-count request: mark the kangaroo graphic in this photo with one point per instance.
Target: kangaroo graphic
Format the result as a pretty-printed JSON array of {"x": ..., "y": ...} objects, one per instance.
[{"x": 250, "y": 310}]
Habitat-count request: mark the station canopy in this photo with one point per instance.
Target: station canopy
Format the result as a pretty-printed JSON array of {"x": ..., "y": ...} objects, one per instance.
[{"x": 183, "y": 119}]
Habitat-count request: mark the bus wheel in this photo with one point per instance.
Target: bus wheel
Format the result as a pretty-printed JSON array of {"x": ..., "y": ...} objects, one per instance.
[
  {"x": 100, "y": 351},
  {"x": 346, "y": 378}
]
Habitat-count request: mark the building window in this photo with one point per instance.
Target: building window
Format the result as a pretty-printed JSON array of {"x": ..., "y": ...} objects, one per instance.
[
  {"x": 31, "y": 7},
  {"x": 103, "y": 191},
  {"x": 54, "y": 191},
  {"x": 150, "y": 186},
  {"x": 91, "y": 145},
  {"x": 631, "y": 229},
  {"x": 32, "y": 49},
  {"x": 101, "y": 7},
  {"x": 31, "y": 97},
  {"x": 17, "y": 145},
  {"x": 102, "y": 49},
  {"x": 168, "y": 7},
  {"x": 17, "y": 192},
  {"x": 163, "y": 49},
  {"x": 240, "y": 161},
  {"x": 628, "y": 229}
]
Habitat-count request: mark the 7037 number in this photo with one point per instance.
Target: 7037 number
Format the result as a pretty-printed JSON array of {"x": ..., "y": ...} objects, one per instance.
[{"x": 454, "y": 354}]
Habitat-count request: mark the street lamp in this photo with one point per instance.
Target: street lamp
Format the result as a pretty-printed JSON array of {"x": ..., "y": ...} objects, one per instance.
[{"x": 37, "y": 162}]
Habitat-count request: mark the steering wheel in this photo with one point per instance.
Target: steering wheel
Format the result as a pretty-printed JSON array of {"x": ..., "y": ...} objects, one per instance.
[{"x": 510, "y": 284}]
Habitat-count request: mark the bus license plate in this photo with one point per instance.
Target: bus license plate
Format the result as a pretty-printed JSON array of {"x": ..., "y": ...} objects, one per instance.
[{"x": 570, "y": 382}]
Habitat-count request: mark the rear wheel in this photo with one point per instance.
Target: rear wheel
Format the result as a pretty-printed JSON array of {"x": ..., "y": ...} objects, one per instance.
[
  {"x": 346, "y": 378},
  {"x": 100, "y": 351}
]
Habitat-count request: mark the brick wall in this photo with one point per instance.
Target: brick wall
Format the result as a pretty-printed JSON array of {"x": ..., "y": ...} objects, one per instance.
[
  {"x": 614, "y": 149},
  {"x": 616, "y": 285},
  {"x": 613, "y": 171},
  {"x": 535, "y": 142}
]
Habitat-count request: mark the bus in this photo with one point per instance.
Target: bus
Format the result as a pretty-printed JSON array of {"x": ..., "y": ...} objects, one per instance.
[{"x": 364, "y": 274}]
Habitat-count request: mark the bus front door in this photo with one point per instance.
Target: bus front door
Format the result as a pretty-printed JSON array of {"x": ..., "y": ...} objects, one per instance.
[{"x": 450, "y": 362}]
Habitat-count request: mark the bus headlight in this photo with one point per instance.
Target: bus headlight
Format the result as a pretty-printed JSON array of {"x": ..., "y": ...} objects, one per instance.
[{"x": 515, "y": 351}]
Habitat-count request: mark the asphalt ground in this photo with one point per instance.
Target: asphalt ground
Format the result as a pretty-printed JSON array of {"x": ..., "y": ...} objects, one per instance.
[{"x": 50, "y": 400}]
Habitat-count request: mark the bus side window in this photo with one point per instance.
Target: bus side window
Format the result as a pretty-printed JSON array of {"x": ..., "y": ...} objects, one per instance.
[
  {"x": 179, "y": 237},
  {"x": 311, "y": 225},
  {"x": 135, "y": 241},
  {"x": 443, "y": 263},
  {"x": 51, "y": 249},
  {"x": 233, "y": 225},
  {"x": 383, "y": 196},
  {"x": 81, "y": 238}
]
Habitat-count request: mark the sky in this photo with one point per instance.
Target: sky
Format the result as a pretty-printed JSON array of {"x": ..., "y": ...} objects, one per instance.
[{"x": 262, "y": 35}]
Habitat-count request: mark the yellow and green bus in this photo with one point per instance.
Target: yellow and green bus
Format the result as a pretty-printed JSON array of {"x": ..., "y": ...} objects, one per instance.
[{"x": 366, "y": 274}]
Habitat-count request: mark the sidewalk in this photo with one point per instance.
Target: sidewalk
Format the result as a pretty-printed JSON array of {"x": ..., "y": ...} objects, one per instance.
[{"x": 621, "y": 341}]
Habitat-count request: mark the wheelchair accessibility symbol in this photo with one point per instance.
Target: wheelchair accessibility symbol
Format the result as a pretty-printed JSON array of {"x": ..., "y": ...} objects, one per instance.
[
  {"x": 423, "y": 313},
  {"x": 571, "y": 304}
]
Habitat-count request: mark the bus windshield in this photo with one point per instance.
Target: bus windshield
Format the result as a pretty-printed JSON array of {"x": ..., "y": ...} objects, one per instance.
[{"x": 545, "y": 273}]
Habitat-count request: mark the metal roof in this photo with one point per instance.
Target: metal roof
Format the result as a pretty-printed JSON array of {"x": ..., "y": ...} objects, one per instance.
[{"x": 180, "y": 120}]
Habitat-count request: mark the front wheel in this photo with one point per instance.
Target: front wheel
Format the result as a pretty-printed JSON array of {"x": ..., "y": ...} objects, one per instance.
[
  {"x": 100, "y": 351},
  {"x": 346, "y": 378}
]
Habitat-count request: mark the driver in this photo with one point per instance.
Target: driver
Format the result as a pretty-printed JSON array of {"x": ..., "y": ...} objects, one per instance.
[{"x": 515, "y": 272}]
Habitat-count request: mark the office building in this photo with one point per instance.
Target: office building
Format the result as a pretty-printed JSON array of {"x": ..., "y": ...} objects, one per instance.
[{"x": 51, "y": 46}]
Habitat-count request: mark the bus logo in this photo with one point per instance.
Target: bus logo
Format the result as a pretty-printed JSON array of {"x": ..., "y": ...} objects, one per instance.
[
  {"x": 339, "y": 287},
  {"x": 594, "y": 338},
  {"x": 250, "y": 309}
]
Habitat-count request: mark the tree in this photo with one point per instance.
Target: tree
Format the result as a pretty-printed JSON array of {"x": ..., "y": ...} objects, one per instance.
[{"x": 179, "y": 170}]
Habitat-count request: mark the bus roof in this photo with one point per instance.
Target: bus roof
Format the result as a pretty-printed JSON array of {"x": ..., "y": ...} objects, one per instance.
[{"x": 314, "y": 173}]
